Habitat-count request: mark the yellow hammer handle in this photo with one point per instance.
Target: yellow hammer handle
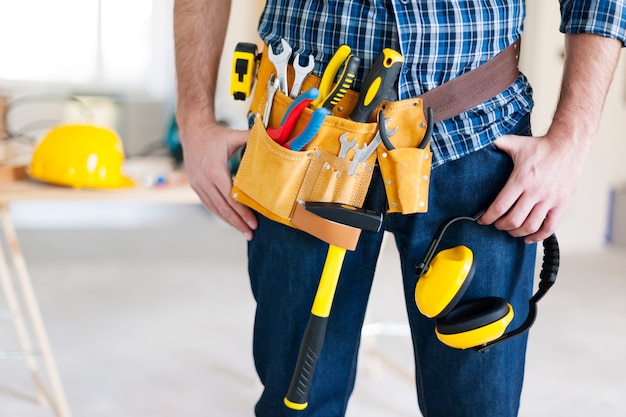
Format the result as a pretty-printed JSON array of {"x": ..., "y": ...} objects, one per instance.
[{"x": 311, "y": 345}]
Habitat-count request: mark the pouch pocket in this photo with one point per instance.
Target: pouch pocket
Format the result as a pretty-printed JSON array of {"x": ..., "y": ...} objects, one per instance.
[
  {"x": 270, "y": 176},
  {"x": 272, "y": 179},
  {"x": 406, "y": 174},
  {"x": 328, "y": 180}
]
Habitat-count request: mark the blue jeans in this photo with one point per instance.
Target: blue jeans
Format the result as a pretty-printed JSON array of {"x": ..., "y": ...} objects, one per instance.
[{"x": 285, "y": 265}]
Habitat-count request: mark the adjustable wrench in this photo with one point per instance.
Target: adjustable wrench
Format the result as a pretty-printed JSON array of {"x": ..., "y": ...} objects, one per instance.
[
  {"x": 301, "y": 74},
  {"x": 280, "y": 62}
]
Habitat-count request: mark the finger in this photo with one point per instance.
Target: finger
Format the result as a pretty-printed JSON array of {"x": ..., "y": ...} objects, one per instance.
[
  {"x": 236, "y": 214},
  {"x": 503, "y": 202},
  {"x": 532, "y": 222},
  {"x": 216, "y": 198},
  {"x": 233, "y": 213},
  {"x": 240, "y": 138},
  {"x": 547, "y": 228},
  {"x": 516, "y": 219}
]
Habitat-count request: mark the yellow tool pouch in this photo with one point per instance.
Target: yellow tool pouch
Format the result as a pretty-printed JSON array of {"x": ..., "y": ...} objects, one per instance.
[{"x": 274, "y": 180}]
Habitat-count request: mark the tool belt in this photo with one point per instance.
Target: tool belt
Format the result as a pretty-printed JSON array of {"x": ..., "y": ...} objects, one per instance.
[{"x": 275, "y": 181}]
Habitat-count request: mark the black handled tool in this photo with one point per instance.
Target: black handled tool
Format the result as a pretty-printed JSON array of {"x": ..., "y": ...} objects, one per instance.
[
  {"x": 427, "y": 134},
  {"x": 377, "y": 83}
]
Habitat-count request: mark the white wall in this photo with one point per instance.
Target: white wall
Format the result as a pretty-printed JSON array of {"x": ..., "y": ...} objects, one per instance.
[{"x": 242, "y": 27}]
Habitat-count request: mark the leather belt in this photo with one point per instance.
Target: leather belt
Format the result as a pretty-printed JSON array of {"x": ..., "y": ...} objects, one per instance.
[{"x": 475, "y": 87}]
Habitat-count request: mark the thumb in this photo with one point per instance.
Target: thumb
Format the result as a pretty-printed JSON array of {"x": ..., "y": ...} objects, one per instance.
[
  {"x": 237, "y": 139},
  {"x": 505, "y": 144}
]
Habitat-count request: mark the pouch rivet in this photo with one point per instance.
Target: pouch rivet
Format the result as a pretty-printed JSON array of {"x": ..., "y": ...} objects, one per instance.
[
  {"x": 327, "y": 166},
  {"x": 422, "y": 204},
  {"x": 317, "y": 154},
  {"x": 422, "y": 124},
  {"x": 394, "y": 205},
  {"x": 384, "y": 154},
  {"x": 389, "y": 182},
  {"x": 368, "y": 169},
  {"x": 235, "y": 195},
  {"x": 339, "y": 175},
  {"x": 425, "y": 177},
  {"x": 426, "y": 156}
]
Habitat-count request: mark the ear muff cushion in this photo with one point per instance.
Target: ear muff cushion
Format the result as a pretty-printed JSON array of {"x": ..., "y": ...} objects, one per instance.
[
  {"x": 473, "y": 314},
  {"x": 478, "y": 336},
  {"x": 449, "y": 275}
]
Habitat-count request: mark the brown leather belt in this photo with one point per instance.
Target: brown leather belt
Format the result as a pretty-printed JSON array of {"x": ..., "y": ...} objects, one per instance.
[
  {"x": 475, "y": 87},
  {"x": 447, "y": 100}
]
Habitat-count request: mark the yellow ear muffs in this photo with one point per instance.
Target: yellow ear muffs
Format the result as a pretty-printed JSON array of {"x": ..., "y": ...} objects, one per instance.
[
  {"x": 442, "y": 279},
  {"x": 474, "y": 322},
  {"x": 450, "y": 273}
]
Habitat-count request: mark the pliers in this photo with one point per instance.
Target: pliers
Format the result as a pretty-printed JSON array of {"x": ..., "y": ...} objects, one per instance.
[
  {"x": 342, "y": 67},
  {"x": 427, "y": 135}
]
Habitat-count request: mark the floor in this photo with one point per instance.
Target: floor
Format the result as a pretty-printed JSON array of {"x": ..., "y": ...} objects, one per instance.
[{"x": 149, "y": 313}]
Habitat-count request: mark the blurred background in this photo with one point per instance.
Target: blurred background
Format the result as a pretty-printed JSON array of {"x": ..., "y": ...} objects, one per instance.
[
  {"x": 117, "y": 57},
  {"x": 155, "y": 296}
]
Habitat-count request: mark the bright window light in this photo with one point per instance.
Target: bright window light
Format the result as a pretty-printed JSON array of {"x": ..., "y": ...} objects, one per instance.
[
  {"x": 92, "y": 43},
  {"x": 45, "y": 41}
]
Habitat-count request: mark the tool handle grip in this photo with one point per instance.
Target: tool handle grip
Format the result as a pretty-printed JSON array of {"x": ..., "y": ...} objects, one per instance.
[
  {"x": 310, "y": 347},
  {"x": 292, "y": 115},
  {"x": 330, "y": 73},
  {"x": 377, "y": 83},
  {"x": 343, "y": 84},
  {"x": 311, "y": 129}
]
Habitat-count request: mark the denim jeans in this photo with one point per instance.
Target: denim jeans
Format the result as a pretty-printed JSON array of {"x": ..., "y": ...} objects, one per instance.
[{"x": 285, "y": 265}]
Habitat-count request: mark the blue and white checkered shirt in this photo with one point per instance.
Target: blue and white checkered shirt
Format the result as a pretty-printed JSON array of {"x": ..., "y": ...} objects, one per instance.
[{"x": 439, "y": 40}]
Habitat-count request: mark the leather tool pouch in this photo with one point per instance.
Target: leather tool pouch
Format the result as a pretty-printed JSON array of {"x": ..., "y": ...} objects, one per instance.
[{"x": 273, "y": 180}]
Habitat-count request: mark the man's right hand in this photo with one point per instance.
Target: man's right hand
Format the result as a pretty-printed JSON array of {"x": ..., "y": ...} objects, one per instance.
[{"x": 206, "y": 151}]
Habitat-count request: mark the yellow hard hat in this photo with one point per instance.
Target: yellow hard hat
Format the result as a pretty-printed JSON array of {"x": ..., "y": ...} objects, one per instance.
[{"x": 80, "y": 156}]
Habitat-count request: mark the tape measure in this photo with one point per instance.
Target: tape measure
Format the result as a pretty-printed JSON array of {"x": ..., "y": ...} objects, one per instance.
[{"x": 243, "y": 70}]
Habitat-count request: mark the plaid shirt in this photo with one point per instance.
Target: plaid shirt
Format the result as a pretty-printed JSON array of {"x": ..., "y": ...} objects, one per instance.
[{"x": 439, "y": 41}]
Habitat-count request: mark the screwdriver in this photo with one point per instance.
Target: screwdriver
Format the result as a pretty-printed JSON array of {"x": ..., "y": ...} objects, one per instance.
[{"x": 377, "y": 83}]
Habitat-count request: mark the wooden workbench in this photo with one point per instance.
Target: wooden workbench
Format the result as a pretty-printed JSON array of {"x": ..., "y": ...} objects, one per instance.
[{"x": 15, "y": 279}]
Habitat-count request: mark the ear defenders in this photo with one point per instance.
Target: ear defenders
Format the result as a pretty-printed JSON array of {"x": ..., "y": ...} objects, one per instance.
[{"x": 443, "y": 278}]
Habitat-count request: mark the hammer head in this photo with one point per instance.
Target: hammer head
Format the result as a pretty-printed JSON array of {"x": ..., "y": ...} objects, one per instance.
[{"x": 345, "y": 214}]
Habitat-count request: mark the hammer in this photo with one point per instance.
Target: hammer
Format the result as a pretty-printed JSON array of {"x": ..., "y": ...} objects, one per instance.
[{"x": 313, "y": 338}]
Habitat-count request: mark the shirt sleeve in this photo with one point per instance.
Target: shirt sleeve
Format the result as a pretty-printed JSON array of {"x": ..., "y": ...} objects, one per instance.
[{"x": 601, "y": 17}]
